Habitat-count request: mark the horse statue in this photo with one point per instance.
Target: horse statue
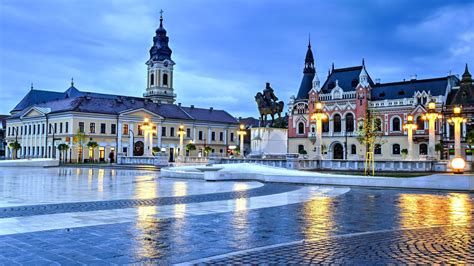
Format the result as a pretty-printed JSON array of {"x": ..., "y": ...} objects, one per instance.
[{"x": 268, "y": 105}]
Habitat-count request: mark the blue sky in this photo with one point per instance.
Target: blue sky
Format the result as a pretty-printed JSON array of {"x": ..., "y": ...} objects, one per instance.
[{"x": 225, "y": 51}]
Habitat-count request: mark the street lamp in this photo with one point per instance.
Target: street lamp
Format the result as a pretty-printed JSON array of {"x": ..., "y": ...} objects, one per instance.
[
  {"x": 148, "y": 131},
  {"x": 410, "y": 125},
  {"x": 431, "y": 116},
  {"x": 458, "y": 163},
  {"x": 181, "y": 133},
  {"x": 319, "y": 115},
  {"x": 241, "y": 132}
]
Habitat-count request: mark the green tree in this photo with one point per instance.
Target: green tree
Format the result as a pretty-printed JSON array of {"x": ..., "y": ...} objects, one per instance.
[
  {"x": 370, "y": 134},
  {"x": 63, "y": 147},
  {"x": 156, "y": 149},
  {"x": 439, "y": 148},
  {"x": 15, "y": 146},
  {"x": 92, "y": 145},
  {"x": 470, "y": 142},
  {"x": 79, "y": 141},
  {"x": 207, "y": 150},
  {"x": 190, "y": 147}
]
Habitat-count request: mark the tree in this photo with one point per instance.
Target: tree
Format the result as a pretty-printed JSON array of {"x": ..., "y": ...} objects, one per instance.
[
  {"x": 404, "y": 153},
  {"x": 156, "y": 149},
  {"x": 470, "y": 142},
  {"x": 190, "y": 147},
  {"x": 207, "y": 150},
  {"x": 63, "y": 147},
  {"x": 92, "y": 145},
  {"x": 370, "y": 134},
  {"x": 79, "y": 140},
  {"x": 439, "y": 148},
  {"x": 15, "y": 146}
]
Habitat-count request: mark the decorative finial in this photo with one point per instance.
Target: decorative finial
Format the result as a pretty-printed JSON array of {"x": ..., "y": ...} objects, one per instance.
[
  {"x": 309, "y": 40},
  {"x": 332, "y": 68},
  {"x": 72, "y": 82},
  {"x": 363, "y": 62},
  {"x": 466, "y": 70},
  {"x": 161, "y": 17},
  {"x": 31, "y": 86}
]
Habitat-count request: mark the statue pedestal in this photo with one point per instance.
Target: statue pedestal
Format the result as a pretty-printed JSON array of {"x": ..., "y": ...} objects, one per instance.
[{"x": 268, "y": 141}]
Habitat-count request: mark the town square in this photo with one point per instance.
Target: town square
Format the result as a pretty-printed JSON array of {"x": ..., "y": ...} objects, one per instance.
[{"x": 192, "y": 133}]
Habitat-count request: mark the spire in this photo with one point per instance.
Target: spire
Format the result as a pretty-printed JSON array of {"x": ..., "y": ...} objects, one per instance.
[
  {"x": 363, "y": 76},
  {"x": 161, "y": 18},
  {"x": 309, "y": 41},
  {"x": 309, "y": 60},
  {"x": 72, "y": 82},
  {"x": 363, "y": 62},
  {"x": 31, "y": 86},
  {"x": 466, "y": 77},
  {"x": 160, "y": 49},
  {"x": 332, "y": 67}
]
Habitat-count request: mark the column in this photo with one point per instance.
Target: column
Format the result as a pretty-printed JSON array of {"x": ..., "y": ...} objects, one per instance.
[
  {"x": 242, "y": 145},
  {"x": 410, "y": 143},
  {"x": 159, "y": 130},
  {"x": 131, "y": 136},
  {"x": 150, "y": 139},
  {"x": 181, "y": 145},
  {"x": 319, "y": 133},
  {"x": 431, "y": 142},
  {"x": 457, "y": 138},
  {"x": 447, "y": 129},
  {"x": 119, "y": 138},
  {"x": 194, "y": 134},
  {"x": 209, "y": 135},
  {"x": 7, "y": 152}
]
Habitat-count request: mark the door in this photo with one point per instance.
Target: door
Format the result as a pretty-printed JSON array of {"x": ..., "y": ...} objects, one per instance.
[
  {"x": 171, "y": 154},
  {"x": 338, "y": 151},
  {"x": 138, "y": 148},
  {"x": 102, "y": 154}
]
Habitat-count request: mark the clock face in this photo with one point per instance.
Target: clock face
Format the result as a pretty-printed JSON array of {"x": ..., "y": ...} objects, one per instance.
[{"x": 166, "y": 63}]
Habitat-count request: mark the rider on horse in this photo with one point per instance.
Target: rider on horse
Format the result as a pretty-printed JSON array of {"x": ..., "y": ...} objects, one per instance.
[{"x": 268, "y": 95}]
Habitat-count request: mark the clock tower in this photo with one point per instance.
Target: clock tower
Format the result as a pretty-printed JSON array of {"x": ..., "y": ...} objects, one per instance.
[{"x": 160, "y": 69}]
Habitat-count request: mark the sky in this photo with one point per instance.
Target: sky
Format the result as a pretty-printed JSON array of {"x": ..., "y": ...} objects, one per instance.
[{"x": 225, "y": 51}]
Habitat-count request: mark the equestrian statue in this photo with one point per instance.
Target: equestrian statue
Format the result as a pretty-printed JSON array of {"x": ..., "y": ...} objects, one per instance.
[{"x": 268, "y": 105}]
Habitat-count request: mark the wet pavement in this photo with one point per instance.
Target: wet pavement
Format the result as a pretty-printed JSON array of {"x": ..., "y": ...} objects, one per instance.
[{"x": 86, "y": 216}]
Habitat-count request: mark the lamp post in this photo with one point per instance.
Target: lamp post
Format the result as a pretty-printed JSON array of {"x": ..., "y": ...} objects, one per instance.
[
  {"x": 241, "y": 132},
  {"x": 319, "y": 115},
  {"x": 181, "y": 133},
  {"x": 456, "y": 120},
  {"x": 148, "y": 131},
  {"x": 410, "y": 126},
  {"x": 431, "y": 116}
]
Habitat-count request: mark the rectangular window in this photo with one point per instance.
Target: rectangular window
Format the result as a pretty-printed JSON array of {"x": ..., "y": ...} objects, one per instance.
[
  {"x": 221, "y": 136},
  {"x": 42, "y": 128},
  {"x": 163, "y": 131},
  {"x": 34, "y": 129},
  {"x": 29, "y": 129},
  {"x": 232, "y": 136},
  {"x": 102, "y": 128},
  {"x": 113, "y": 129},
  {"x": 125, "y": 129},
  {"x": 140, "y": 130},
  {"x": 188, "y": 132},
  {"x": 55, "y": 128},
  {"x": 66, "y": 128},
  {"x": 8, "y": 134},
  {"x": 81, "y": 127},
  {"x": 92, "y": 127},
  {"x": 200, "y": 135},
  {"x": 50, "y": 130},
  {"x": 171, "y": 131},
  {"x": 21, "y": 130},
  {"x": 61, "y": 127},
  {"x": 213, "y": 136},
  {"x": 154, "y": 131}
]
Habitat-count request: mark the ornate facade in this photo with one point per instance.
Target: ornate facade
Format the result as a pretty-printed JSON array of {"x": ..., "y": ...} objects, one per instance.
[
  {"x": 347, "y": 94},
  {"x": 44, "y": 119}
]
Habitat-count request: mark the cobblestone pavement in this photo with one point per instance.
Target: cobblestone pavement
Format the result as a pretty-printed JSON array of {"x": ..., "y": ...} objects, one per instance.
[
  {"x": 362, "y": 226},
  {"x": 441, "y": 245}
]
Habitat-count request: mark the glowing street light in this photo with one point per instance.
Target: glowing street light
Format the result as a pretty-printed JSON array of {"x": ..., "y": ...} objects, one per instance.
[
  {"x": 458, "y": 164},
  {"x": 456, "y": 120},
  {"x": 148, "y": 131},
  {"x": 410, "y": 126},
  {"x": 431, "y": 116},
  {"x": 181, "y": 133},
  {"x": 319, "y": 115},
  {"x": 241, "y": 132}
]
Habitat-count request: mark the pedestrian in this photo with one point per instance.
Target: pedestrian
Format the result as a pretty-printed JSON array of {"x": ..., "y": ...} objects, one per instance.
[{"x": 111, "y": 157}]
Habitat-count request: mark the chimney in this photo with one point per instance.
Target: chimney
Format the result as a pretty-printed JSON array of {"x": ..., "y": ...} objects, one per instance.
[
  {"x": 179, "y": 104},
  {"x": 413, "y": 77},
  {"x": 377, "y": 81},
  {"x": 192, "y": 106},
  {"x": 210, "y": 109}
]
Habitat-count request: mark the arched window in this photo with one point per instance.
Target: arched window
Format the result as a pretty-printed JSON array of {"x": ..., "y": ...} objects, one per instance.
[
  {"x": 301, "y": 128},
  {"x": 378, "y": 124},
  {"x": 353, "y": 149},
  {"x": 337, "y": 122},
  {"x": 325, "y": 125},
  {"x": 396, "y": 149},
  {"x": 420, "y": 123},
  {"x": 378, "y": 149},
  {"x": 152, "y": 79},
  {"x": 165, "y": 79},
  {"x": 301, "y": 149},
  {"x": 396, "y": 124},
  {"x": 350, "y": 122},
  {"x": 423, "y": 149}
]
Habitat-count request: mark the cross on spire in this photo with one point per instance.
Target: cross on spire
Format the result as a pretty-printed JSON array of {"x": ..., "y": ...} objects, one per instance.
[
  {"x": 31, "y": 86},
  {"x": 161, "y": 17},
  {"x": 72, "y": 82}
]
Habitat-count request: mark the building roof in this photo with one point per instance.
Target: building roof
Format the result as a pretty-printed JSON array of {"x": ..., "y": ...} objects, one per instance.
[
  {"x": 213, "y": 115},
  {"x": 347, "y": 78},
  {"x": 465, "y": 94},
  {"x": 309, "y": 73},
  {"x": 34, "y": 97},
  {"x": 406, "y": 89}
]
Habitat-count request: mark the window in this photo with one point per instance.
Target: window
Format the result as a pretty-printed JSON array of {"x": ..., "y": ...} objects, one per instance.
[
  {"x": 113, "y": 129},
  {"x": 21, "y": 131},
  {"x": 29, "y": 129},
  {"x": 42, "y": 129},
  {"x": 171, "y": 131},
  {"x": 92, "y": 128},
  {"x": 34, "y": 129},
  {"x": 325, "y": 125},
  {"x": 140, "y": 130},
  {"x": 213, "y": 136},
  {"x": 396, "y": 149},
  {"x": 81, "y": 127},
  {"x": 232, "y": 136},
  {"x": 61, "y": 127},
  {"x": 423, "y": 149},
  {"x": 66, "y": 128},
  {"x": 200, "y": 135},
  {"x": 55, "y": 128},
  {"x": 188, "y": 132},
  {"x": 50, "y": 129},
  {"x": 8, "y": 134},
  {"x": 396, "y": 124},
  {"x": 152, "y": 79},
  {"x": 221, "y": 151},
  {"x": 154, "y": 131},
  {"x": 165, "y": 79},
  {"x": 378, "y": 149},
  {"x": 102, "y": 128},
  {"x": 420, "y": 123},
  {"x": 301, "y": 128},
  {"x": 337, "y": 123},
  {"x": 350, "y": 122},
  {"x": 378, "y": 124},
  {"x": 125, "y": 129},
  {"x": 353, "y": 149},
  {"x": 301, "y": 149},
  {"x": 221, "y": 136},
  {"x": 163, "y": 131}
]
